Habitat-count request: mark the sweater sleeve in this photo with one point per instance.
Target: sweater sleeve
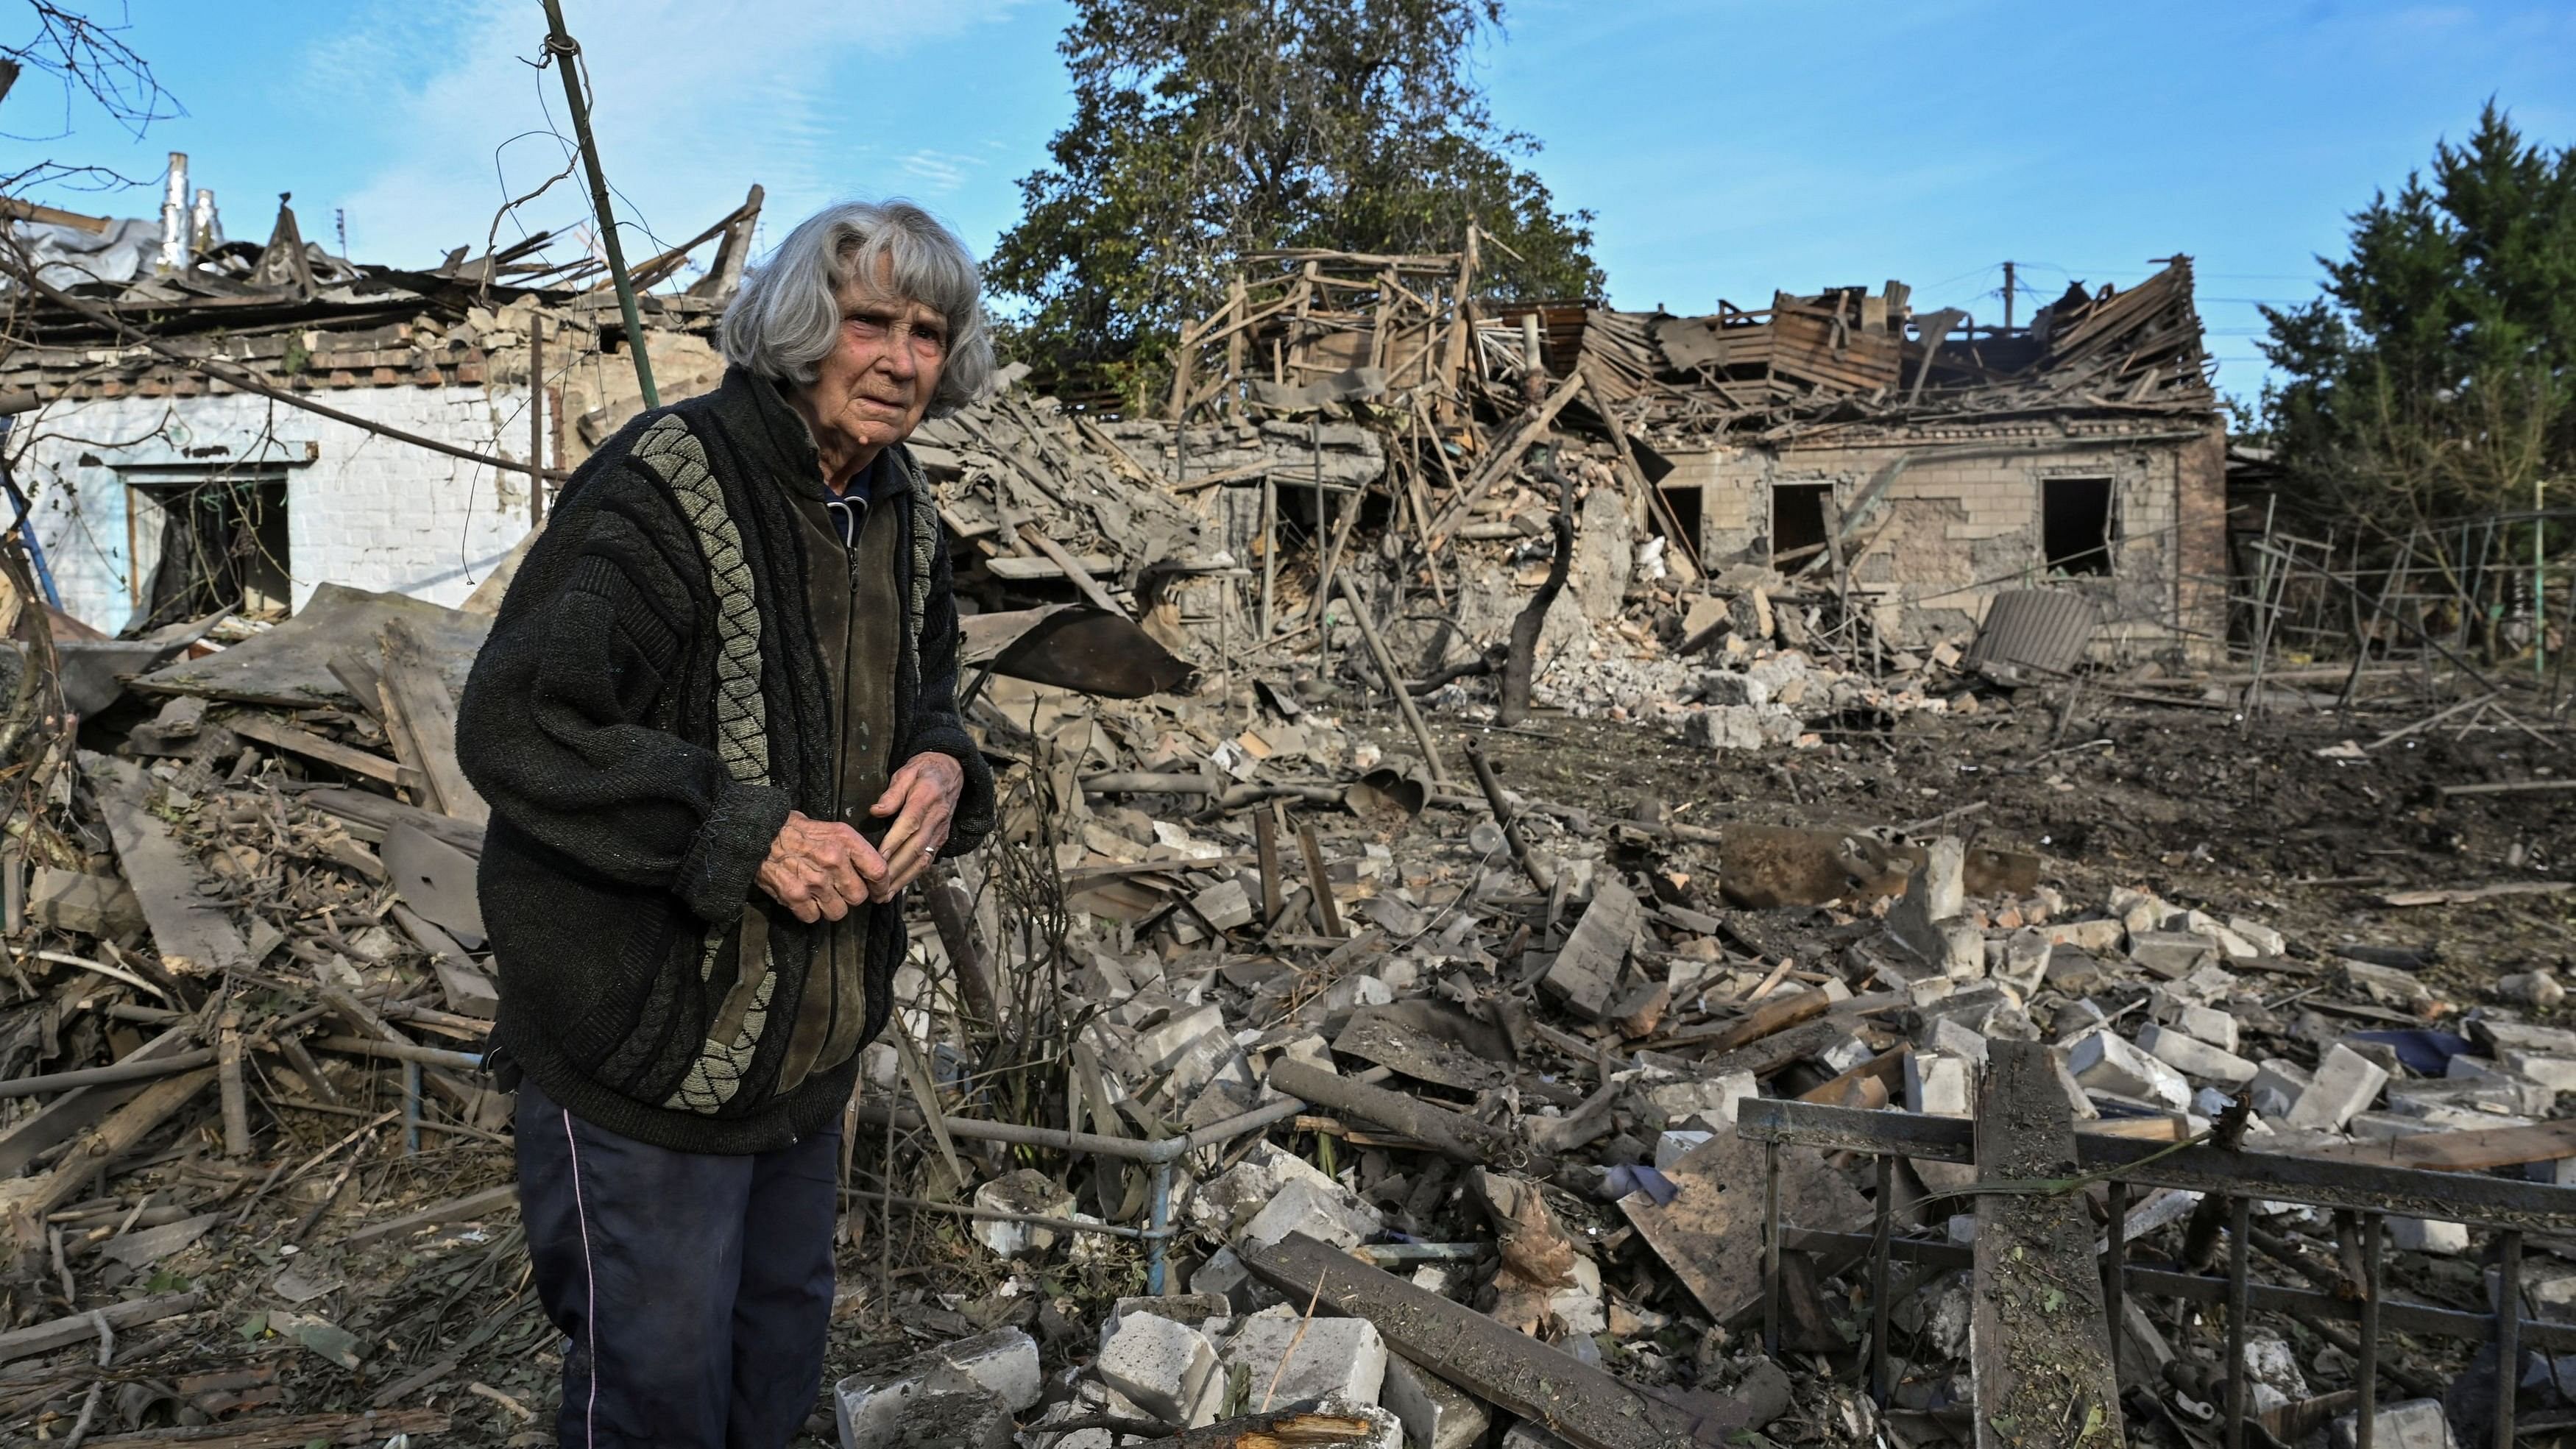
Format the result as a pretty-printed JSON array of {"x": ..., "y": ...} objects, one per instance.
[
  {"x": 936, "y": 724},
  {"x": 555, "y": 727}
]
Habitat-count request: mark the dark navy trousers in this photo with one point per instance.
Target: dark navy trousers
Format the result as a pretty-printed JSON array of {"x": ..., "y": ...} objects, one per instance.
[{"x": 695, "y": 1289}]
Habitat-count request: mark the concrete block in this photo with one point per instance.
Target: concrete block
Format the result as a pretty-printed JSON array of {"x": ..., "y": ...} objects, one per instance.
[
  {"x": 2547, "y": 1040},
  {"x": 1527, "y": 1435},
  {"x": 950, "y": 1412},
  {"x": 2557, "y": 1073},
  {"x": 1167, "y": 1368},
  {"x": 2415, "y": 1424},
  {"x": 1672, "y": 1147},
  {"x": 1436, "y": 1414},
  {"x": 89, "y": 905},
  {"x": 2277, "y": 1085},
  {"x": 1938, "y": 1084},
  {"x": 2193, "y": 1057},
  {"x": 1709, "y": 1100},
  {"x": 1224, "y": 1275},
  {"x": 2095, "y": 935},
  {"x": 2532, "y": 988},
  {"x": 1327, "y": 1213},
  {"x": 2346, "y": 1083},
  {"x": 2170, "y": 954},
  {"x": 2428, "y": 1235},
  {"x": 2103, "y": 1061},
  {"x": 1225, "y": 905},
  {"x": 1192, "y": 1308},
  {"x": 2261, "y": 937},
  {"x": 1002, "y": 1364},
  {"x": 1335, "y": 1358},
  {"x": 1952, "y": 1037},
  {"x": 1025, "y": 1191},
  {"x": 2208, "y": 1023}
]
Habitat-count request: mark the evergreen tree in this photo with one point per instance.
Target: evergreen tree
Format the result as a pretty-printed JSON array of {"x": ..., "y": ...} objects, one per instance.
[
  {"x": 2435, "y": 378},
  {"x": 1207, "y": 129}
]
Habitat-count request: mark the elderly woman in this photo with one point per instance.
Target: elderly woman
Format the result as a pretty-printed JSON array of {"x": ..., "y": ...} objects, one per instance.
[{"x": 717, "y": 727}]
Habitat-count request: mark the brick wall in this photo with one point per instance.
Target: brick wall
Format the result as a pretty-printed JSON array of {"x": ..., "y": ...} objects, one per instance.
[
  {"x": 362, "y": 510},
  {"x": 1962, "y": 521}
]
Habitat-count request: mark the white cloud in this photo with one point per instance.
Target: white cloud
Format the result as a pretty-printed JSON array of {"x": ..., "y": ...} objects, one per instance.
[
  {"x": 938, "y": 172},
  {"x": 694, "y": 101}
]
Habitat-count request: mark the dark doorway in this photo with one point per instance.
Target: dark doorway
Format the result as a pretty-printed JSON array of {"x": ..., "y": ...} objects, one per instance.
[
  {"x": 1684, "y": 502},
  {"x": 2076, "y": 525},
  {"x": 1797, "y": 521},
  {"x": 223, "y": 544}
]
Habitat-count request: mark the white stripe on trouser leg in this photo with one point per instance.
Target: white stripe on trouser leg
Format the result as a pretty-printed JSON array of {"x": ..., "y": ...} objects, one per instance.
[{"x": 590, "y": 1287}]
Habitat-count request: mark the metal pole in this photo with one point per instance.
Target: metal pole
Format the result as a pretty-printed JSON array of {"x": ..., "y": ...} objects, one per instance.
[
  {"x": 2508, "y": 1334},
  {"x": 1771, "y": 1249},
  {"x": 536, "y": 421},
  {"x": 566, "y": 53},
  {"x": 1878, "y": 1255},
  {"x": 2366, "y": 1425},
  {"x": 2237, "y": 1307},
  {"x": 1158, "y": 1236}
]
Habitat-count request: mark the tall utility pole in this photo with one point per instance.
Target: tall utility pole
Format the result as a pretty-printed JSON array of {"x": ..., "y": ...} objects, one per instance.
[
  {"x": 2008, "y": 271},
  {"x": 567, "y": 53}
]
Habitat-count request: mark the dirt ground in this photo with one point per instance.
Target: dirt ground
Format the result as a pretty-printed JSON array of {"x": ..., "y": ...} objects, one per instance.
[{"x": 2206, "y": 811}]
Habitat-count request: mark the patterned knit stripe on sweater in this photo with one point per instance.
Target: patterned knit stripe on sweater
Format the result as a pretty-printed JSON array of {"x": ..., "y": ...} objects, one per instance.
[{"x": 675, "y": 455}]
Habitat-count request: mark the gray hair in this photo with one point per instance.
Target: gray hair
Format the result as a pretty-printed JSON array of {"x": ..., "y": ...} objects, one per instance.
[{"x": 787, "y": 317}]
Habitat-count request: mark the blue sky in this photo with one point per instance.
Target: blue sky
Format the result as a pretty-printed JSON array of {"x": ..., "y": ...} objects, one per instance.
[{"x": 1727, "y": 149}]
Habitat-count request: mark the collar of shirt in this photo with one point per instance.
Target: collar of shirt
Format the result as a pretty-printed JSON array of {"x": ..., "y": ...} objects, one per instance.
[{"x": 850, "y": 506}]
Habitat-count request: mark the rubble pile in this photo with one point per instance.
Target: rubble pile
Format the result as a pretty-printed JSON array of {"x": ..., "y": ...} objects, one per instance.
[{"x": 1290, "y": 1068}]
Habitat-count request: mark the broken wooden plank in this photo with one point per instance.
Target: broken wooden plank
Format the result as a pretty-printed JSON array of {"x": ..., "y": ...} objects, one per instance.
[
  {"x": 2039, "y": 1343},
  {"x": 63, "y": 1332},
  {"x": 469, "y": 991},
  {"x": 1455, "y": 1134},
  {"x": 2467, "y": 1151},
  {"x": 1576, "y": 1401},
  {"x": 1777, "y": 1014},
  {"x": 490, "y": 1199},
  {"x": 278, "y": 734},
  {"x": 2510, "y": 787},
  {"x": 80, "y": 1108},
  {"x": 25, "y": 1201},
  {"x": 419, "y": 707},
  {"x": 1776, "y": 1051},
  {"x": 1083, "y": 581},
  {"x": 290, "y": 666},
  {"x": 1710, "y": 1232},
  {"x": 287, "y": 1433},
  {"x": 190, "y": 927},
  {"x": 2465, "y": 895},
  {"x": 372, "y": 817},
  {"x": 436, "y": 879}
]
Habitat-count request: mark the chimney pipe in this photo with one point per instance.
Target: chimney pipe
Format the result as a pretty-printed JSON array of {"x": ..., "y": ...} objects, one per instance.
[
  {"x": 174, "y": 214},
  {"x": 205, "y": 225}
]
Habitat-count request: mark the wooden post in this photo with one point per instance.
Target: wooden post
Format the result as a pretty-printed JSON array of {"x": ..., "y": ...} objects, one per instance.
[
  {"x": 567, "y": 55},
  {"x": 2040, "y": 1347},
  {"x": 228, "y": 1068},
  {"x": 1394, "y": 681}
]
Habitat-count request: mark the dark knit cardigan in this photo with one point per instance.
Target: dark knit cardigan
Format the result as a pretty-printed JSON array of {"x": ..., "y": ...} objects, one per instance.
[{"x": 650, "y": 705}]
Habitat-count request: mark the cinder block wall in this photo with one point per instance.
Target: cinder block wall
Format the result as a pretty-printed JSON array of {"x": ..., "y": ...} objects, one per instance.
[
  {"x": 1962, "y": 521},
  {"x": 365, "y": 510}
]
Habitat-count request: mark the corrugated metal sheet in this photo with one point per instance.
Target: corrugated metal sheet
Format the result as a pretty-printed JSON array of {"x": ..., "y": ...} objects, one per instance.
[{"x": 2044, "y": 629}]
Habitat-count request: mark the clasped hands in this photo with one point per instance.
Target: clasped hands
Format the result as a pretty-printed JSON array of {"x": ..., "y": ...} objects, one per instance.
[{"x": 819, "y": 869}]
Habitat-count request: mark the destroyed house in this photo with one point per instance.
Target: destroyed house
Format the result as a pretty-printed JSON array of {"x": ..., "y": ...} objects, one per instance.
[
  {"x": 1929, "y": 464},
  {"x": 163, "y": 489}
]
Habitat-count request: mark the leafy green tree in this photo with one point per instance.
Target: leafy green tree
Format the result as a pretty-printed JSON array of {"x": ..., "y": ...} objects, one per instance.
[
  {"x": 1207, "y": 129},
  {"x": 2437, "y": 376}
]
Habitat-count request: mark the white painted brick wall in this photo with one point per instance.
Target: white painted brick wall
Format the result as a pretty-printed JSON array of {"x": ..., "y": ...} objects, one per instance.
[{"x": 368, "y": 511}]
